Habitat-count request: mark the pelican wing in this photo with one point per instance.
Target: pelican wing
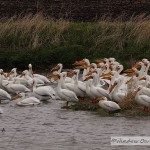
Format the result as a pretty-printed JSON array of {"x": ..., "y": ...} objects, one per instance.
[
  {"x": 30, "y": 100},
  {"x": 43, "y": 91},
  {"x": 111, "y": 105},
  {"x": 69, "y": 94},
  {"x": 145, "y": 98},
  {"x": 18, "y": 87},
  {"x": 4, "y": 94},
  {"x": 103, "y": 92}
]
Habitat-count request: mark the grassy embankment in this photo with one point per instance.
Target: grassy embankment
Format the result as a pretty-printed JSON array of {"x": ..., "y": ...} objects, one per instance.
[
  {"x": 129, "y": 108},
  {"x": 43, "y": 42}
]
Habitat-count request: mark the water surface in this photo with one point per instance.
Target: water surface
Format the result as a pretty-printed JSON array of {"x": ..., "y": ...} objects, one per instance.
[{"x": 48, "y": 127}]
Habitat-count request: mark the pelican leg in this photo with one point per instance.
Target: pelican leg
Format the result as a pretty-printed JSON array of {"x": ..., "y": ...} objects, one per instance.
[
  {"x": 94, "y": 101},
  {"x": 110, "y": 112},
  {"x": 67, "y": 103},
  {"x": 146, "y": 109}
]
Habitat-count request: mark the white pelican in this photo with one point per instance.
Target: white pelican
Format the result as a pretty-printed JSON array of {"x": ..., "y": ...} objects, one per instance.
[
  {"x": 116, "y": 93},
  {"x": 22, "y": 81},
  {"x": 43, "y": 92},
  {"x": 65, "y": 94},
  {"x": 147, "y": 67},
  {"x": 4, "y": 82},
  {"x": 108, "y": 105},
  {"x": 142, "y": 99},
  {"x": 4, "y": 95},
  {"x": 1, "y": 111},
  {"x": 30, "y": 73},
  {"x": 88, "y": 89},
  {"x": 79, "y": 87},
  {"x": 3, "y": 75},
  {"x": 41, "y": 77},
  {"x": 112, "y": 60},
  {"x": 98, "y": 91},
  {"x": 69, "y": 86},
  {"x": 16, "y": 88},
  {"x": 27, "y": 101},
  {"x": 9, "y": 86},
  {"x": 12, "y": 74},
  {"x": 25, "y": 74},
  {"x": 37, "y": 76}
]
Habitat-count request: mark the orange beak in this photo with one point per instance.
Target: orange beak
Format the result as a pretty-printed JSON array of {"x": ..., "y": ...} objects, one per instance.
[
  {"x": 129, "y": 70},
  {"x": 100, "y": 98},
  {"x": 137, "y": 65},
  {"x": 107, "y": 77},
  {"x": 56, "y": 77},
  {"x": 81, "y": 67},
  {"x": 143, "y": 78},
  {"x": 87, "y": 78},
  {"x": 129, "y": 81},
  {"x": 80, "y": 62},
  {"x": 112, "y": 87},
  {"x": 90, "y": 72},
  {"x": 100, "y": 61},
  {"x": 56, "y": 68},
  {"x": 15, "y": 97},
  {"x": 71, "y": 73}
]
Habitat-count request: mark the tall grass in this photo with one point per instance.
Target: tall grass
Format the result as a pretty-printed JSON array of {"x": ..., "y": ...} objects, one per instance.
[
  {"x": 44, "y": 41},
  {"x": 31, "y": 32}
]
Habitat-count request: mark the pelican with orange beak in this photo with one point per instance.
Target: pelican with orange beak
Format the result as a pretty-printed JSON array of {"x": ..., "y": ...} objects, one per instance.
[
  {"x": 101, "y": 60},
  {"x": 12, "y": 74},
  {"x": 97, "y": 91},
  {"x": 65, "y": 94},
  {"x": 142, "y": 99},
  {"x": 57, "y": 68},
  {"x": 3, "y": 75},
  {"x": 82, "y": 62},
  {"x": 116, "y": 92}
]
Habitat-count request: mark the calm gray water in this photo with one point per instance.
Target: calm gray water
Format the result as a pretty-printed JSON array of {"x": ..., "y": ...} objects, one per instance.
[{"x": 48, "y": 127}]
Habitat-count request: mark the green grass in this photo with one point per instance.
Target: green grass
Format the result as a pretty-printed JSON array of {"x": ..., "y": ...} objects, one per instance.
[
  {"x": 128, "y": 109},
  {"x": 44, "y": 42}
]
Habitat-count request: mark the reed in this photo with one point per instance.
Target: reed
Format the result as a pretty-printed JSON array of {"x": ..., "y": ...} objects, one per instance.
[{"x": 55, "y": 41}]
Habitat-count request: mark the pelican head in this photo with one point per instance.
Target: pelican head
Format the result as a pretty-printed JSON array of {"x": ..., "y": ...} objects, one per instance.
[
  {"x": 30, "y": 65},
  {"x": 1, "y": 71}
]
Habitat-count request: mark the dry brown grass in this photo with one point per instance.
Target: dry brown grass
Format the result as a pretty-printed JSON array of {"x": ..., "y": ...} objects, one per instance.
[
  {"x": 128, "y": 103},
  {"x": 36, "y": 31},
  {"x": 136, "y": 30},
  {"x": 32, "y": 31}
]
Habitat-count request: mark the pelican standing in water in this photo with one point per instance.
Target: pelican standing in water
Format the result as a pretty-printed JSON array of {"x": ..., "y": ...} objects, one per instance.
[
  {"x": 65, "y": 94},
  {"x": 27, "y": 101}
]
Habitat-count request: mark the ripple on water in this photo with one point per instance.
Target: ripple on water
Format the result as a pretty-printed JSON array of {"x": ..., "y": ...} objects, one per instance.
[{"x": 48, "y": 127}]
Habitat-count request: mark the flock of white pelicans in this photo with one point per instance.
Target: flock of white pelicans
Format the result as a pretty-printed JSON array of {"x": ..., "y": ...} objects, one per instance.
[{"x": 102, "y": 83}]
